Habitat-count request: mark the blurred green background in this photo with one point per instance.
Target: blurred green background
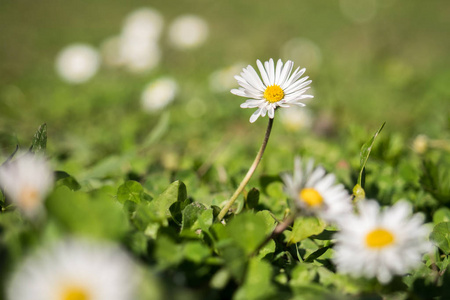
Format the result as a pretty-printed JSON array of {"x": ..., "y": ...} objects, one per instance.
[{"x": 372, "y": 61}]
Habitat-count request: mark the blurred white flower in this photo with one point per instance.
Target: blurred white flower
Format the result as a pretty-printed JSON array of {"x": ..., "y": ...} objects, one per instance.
[
  {"x": 296, "y": 118},
  {"x": 278, "y": 88},
  {"x": 304, "y": 50},
  {"x": 139, "y": 55},
  {"x": 77, "y": 63},
  {"x": 188, "y": 31},
  {"x": 75, "y": 270},
  {"x": 143, "y": 24},
  {"x": 315, "y": 193},
  {"x": 158, "y": 94},
  {"x": 223, "y": 79},
  {"x": 381, "y": 243},
  {"x": 26, "y": 182},
  {"x": 359, "y": 11},
  {"x": 137, "y": 47}
]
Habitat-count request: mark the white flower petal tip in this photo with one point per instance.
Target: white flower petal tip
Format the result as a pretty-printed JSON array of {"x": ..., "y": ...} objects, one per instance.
[
  {"x": 315, "y": 192},
  {"x": 380, "y": 243},
  {"x": 275, "y": 86}
]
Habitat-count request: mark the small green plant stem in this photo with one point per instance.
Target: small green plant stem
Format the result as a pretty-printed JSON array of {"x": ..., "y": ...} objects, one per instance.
[{"x": 249, "y": 174}]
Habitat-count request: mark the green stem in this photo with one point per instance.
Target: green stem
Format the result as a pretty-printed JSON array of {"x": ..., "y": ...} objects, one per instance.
[{"x": 250, "y": 172}]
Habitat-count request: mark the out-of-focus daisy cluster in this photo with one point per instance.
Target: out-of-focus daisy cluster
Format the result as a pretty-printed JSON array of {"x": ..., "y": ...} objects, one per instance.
[
  {"x": 136, "y": 49},
  {"x": 371, "y": 241}
]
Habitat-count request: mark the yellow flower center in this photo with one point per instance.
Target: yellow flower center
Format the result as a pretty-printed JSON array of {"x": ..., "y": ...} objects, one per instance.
[
  {"x": 28, "y": 198},
  {"x": 273, "y": 93},
  {"x": 75, "y": 293},
  {"x": 379, "y": 238},
  {"x": 311, "y": 197}
]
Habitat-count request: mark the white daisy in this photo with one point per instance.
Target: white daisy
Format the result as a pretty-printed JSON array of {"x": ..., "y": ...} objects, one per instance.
[
  {"x": 381, "y": 243},
  {"x": 26, "y": 182},
  {"x": 315, "y": 192},
  {"x": 77, "y": 63},
  {"x": 75, "y": 270},
  {"x": 158, "y": 94},
  {"x": 278, "y": 88}
]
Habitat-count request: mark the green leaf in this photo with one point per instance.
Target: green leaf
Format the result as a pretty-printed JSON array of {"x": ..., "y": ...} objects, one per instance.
[
  {"x": 167, "y": 252},
  {"x": 130, "y": 191},
  {"x": 176, "y": 210},
  {"x": 64, "y": 179},
  {"x": 268, "y": 219},
  {"x": 247, "y": 230},
  {"x": 196, "y": 251},
  {"x": 435, "y": 179},
  {"x": 176, "y": 192},
  {"x": 441, "y": 215},
  {"x": 313, "y": 256},
  {"x": 364, "y": 154},
  {"x": 252, "y": 199},
  {"x": 39, "y": 143},
  {"x": 96, "y": 214},
  {"x": 303, "y": 228},
  {"x": 441, "y": 236},
  {"x": 190, "y": 216},
  {"x": 258, "y": 282}
]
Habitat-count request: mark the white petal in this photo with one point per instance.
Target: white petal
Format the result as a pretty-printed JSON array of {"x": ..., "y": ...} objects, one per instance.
[
  {"x": 278, "y": 71},
  {"x": 255, "y": 115},
  {"x": 263, "y": 73},
  {"x": 271, "y": 112},
  {"x": 270, "y": 71},
  {"x": 252, "y": 78},
  {"x": 284, "y": 74}
]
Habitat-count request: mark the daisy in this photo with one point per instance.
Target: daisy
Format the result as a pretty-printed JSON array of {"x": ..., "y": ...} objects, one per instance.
[
  {"x": 26, "y": 182},
  {"x": 158, "y": 94},
  {"x": 75, "y": 270},
  {"x": 278, "y": 88},
  {"x": 383, "y": 243},
  {"x": 315, "y": 193},
  {"x": 77, "y": 63}
]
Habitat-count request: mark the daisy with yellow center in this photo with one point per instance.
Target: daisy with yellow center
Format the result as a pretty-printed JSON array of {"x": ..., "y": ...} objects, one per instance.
[
  {"x": 315, "y": 192},
  {"x": 26, "y": 182},
  {"x": 75, "y": 270},
  {"x": 278, "y": 87},
  {"x": 381, "y": 243}
]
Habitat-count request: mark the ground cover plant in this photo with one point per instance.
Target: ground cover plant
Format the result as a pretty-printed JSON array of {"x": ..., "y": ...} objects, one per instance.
[{"x": 128, "y": 169}]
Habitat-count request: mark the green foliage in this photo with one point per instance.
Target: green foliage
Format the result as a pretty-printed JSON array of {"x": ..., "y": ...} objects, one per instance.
[
  {"x": 303, "y": 228},
  {"x": 39, "y": 143},
  {"x": 130, "y": 191},
  {"x": 64, "y": 179},
  {"x": 81, "y": 213},
  {"x": 364, "y": 155},
  {"x": 435, "y": 179},
  {"x": 124, "y": 171},
  {"x": 441, "y": 236}
]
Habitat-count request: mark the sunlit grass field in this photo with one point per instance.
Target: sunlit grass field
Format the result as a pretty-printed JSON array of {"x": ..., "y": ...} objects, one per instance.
[{"x": 370, "y": 62}]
